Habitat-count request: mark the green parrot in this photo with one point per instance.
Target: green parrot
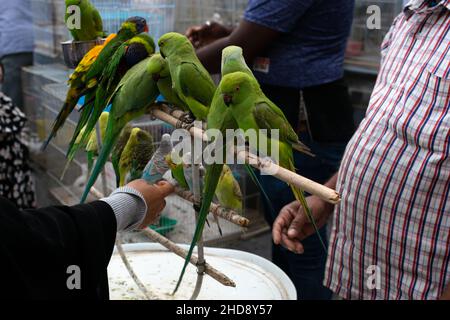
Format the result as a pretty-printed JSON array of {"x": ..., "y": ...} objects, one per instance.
[
  {"x": 130, "y": 28},
  {"x": 159, "y": 68},
  {"x": 126, "y": 56},
  {"x": 91, "y": 25},
  {"x": 190, "y": 80},
  {"x": 176, "y": 167},
  {"x": 220, "y": 118},
  {"x": 78, "y": 87},
  {"x": 251, "y": 110},
  {"x": 132, "y": 98},
  {"x": 118, "y": 149},
  {"x": 136, "y": 154},
  {"x": 92, "y": 145},
  {"x": 228, "y": 191}
]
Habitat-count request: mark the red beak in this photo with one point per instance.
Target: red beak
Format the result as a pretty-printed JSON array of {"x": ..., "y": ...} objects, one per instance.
[
  {"x": 227, "y": 99},
  {"x": 146, "y": 28}
]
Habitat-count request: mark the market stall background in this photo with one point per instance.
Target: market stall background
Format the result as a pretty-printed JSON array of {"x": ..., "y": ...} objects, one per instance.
[{"x": 45, "y": 88}]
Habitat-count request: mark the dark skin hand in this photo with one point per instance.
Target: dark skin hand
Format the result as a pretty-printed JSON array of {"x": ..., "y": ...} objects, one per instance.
[
  {"x": 254, "y": 39},
  {"x": 292, "y": 225}
]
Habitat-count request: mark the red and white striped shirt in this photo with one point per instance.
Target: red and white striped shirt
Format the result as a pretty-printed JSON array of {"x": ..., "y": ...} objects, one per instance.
[{"x": 394, "y": 218}]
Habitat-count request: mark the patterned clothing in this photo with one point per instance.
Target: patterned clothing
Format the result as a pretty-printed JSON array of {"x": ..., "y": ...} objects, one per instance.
[
  {"x": 394, "y": 218},
  {"x": 16, "y": 183}
]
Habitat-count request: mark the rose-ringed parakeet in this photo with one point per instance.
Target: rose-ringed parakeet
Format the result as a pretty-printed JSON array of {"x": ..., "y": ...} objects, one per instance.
[
  {"x": 91, "y": 25},
  {"x": 134, "y": 157},
  {"x": 78, "y": 86},
  {"x": 159, "y": 68},
  {"x": 126, "y": 56},
  {"x": 219, "y": 118},
  {"x": 253, "y": 111},
  {"x": 132, "y": 98},
  {"x": 190, "y": 80}
]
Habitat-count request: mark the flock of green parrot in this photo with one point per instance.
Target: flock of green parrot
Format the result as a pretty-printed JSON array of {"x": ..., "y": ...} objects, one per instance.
[{"x": 126, "y": 73}]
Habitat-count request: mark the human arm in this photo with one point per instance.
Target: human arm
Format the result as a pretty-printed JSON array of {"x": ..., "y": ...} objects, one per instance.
[
  {"x": 38, "y": 246},
  {"x": 292, "y": 225},
  {"x": 138, "y": 204},
  {"x": 262, "y": 24}
]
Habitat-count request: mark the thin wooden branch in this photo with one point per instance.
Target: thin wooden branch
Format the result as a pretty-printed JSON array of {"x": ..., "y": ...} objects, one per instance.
[
  {"x": 171, "y": 246},
  {"x": 148, "y": 295},
  {"x": 216, "y": 209},
  {"x": 287, "y": 176}
]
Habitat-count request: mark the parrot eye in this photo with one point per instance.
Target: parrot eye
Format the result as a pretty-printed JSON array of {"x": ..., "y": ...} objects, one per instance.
[{"x": 237, "y": 88}]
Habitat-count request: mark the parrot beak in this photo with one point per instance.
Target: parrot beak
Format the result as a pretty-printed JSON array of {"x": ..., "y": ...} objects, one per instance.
[
  {"x": 156, "y": 77},
  {"x": 227, "y": 99},
  {"x": 146, "y": 29}
]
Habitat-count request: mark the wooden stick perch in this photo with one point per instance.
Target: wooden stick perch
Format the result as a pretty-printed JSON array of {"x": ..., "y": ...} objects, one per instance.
[
  {"x": 216, "y": 209},
  {"x": 209, "y": 270},
  {"x": 323, "y": 192},
  {"x": 148, "y": 295}
]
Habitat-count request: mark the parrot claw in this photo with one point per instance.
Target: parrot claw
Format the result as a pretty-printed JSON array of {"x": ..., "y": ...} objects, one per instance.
[
  {"x": 196, "y": 207},
  {"x": 187, "y": 117}
]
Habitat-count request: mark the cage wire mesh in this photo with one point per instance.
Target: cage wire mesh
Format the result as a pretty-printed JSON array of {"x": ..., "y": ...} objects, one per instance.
[
  {"x": 162, "y": 16},
  {"x": 364, "y": 43}
]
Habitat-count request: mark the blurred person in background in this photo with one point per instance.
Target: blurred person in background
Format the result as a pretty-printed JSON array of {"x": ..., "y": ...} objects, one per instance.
[
  {"x": 16, "y": 46},
  {"x": 296, "y": 49},
  {"x": 16, "y": 181}
]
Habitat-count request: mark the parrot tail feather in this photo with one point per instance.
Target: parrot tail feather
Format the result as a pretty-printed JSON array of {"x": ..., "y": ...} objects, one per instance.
[
  {"x": 300, "y": 147},
  {"x": 84, "y": 116},
  {"x": 211, "y": 180},
  {"x": 95, "y": 115},
  {"x": 299, "y": 196},
  {"x": 90, "y": 161},
  {"x": 66, "y": 167},
  {"x": 59, "y": 121},
  {"x": 100, "y": 163},
  {"x": 260, "y": 187}
]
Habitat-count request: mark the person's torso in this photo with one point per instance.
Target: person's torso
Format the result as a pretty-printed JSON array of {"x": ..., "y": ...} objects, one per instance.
[
  {"x": 395, "y": 175},
  {"x": 312, "y": 52},
  {"x": 16, "y": 27}
]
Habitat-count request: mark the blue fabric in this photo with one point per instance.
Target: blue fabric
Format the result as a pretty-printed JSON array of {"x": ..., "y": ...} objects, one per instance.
[
  {"x": 311, "y": 49},
  {"x": 306, "y": 270},
  {"x": 16, "y": 27}
]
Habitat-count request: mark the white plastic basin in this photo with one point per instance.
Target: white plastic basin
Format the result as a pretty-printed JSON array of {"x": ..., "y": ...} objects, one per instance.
[{"x": 256, "y": 278}]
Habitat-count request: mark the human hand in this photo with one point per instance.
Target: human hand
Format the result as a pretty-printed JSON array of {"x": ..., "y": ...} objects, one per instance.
[
  {"x": 203, "y": 35},
  {"x": 154, "y": 195},
  {"x": 292, "y": 225}
]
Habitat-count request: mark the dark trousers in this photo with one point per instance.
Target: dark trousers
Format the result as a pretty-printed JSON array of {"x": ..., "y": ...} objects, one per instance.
[
  {"x": 307, "y": 270},
  {"x": 12, "y": 75}
]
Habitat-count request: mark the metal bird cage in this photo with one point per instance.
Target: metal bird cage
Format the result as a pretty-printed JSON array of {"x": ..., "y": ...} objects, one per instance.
[{"x": 364, "y": 43}]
